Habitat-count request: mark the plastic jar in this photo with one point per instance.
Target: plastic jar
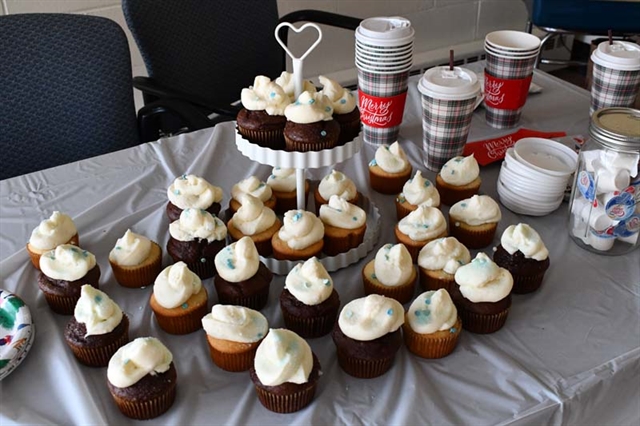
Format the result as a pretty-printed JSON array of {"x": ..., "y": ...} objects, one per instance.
[{"x": 604, "y": 209}]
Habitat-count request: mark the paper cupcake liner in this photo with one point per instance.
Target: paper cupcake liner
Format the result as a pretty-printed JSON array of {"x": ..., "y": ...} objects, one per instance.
[
  {"x": 273, "y": 139},
  {"x": 387, "y": 185},
  {"x": 255, "y": 302},
  {"x": 430, "y": 283},
  {"x": 482, "y": 323},
  {"x": 204, "y": 270},
  {"x": 402, "y": 211},
  {"x": 523, "y": 284},
  {"x": 430, "y": 347},
  {"x": 141, "y": 276},
  {"x": 144, "y": 410},
  {"x": 184, "y": 324},
  {"x": 364, "y": 368},
  {"x": 342, "y": 244},
  {"x": 62, "y": 305},
  {"x": 310, "y": 328},
  {"x": 35, "y": 257},
  {"x": 451, "y": 195},
  {"x": 286, "y": 403},
  {"x": 472, "y": 239},
  {"x": 291, "y": 145},
  {"x": 349, "y": 131},
  {"x": 99, "y": 356},
  {"x": 402, "y": 293},
  {"x": 233, "y": 362}
]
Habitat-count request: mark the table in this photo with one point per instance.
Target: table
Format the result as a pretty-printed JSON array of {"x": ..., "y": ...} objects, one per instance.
[{"x": 568, "y": 354}]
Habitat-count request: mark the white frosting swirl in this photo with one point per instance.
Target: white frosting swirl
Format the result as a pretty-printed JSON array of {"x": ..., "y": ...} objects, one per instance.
[
  {"x": 253, "y": 217},
  {"x": 342, "y": 214},
  {"x": 393, "y": 265},
  {"x": 190, "y": 191},
  {"x": 67, "y": 262},
  {"x": 300, "y": 229},
  {"x": 309, "y": 282},
  {"x": 524, "y": 238},
  {"x": 136, "y": 359},
  {"x": 265, "y": 95},
  {"x": 235, "y": 323},
  {"x": 238, "y": 261},
  {"x": 52, "y": 232},
  {"x": 476, "y": 210},
  {"x": 391, "y": 159},
  {"x": 341, "y": 99},
  {"x": 309, "y": 108},
  {"x": 423, "y": 223},
  {"x": 483, "y": 281},
  {"x": 197, "y": 223},
  {"x": 175, "y": 285},
  {"x": 446, "y": 254},
  {"x": 97, "y": 311},
  {"x": 432, "y": 311},
  {"x": 337, "y": 183},
  {"x": 282, "y": 179},
  {"x": 419, "y": 191},
  {"x": 130, "y": 250},
  {"x": 252, "y": 186},
  {"x": 460, "y": 170},
  {"x": 283, "y": 357},
  {"x": 371, "y": 317},
  {"x": 287, "y": 83}
]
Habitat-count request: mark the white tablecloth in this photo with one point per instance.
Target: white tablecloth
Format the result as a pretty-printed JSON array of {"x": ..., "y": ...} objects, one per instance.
[{"x": 568, "y": 354}]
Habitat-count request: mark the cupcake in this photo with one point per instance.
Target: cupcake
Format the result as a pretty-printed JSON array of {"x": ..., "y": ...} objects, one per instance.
[
  {"x": 63, "y": 272},
  {"x": 417, "y": 191},
  {"x": 97, "y": 329},
  {"x": 49, "y": 234},
  {"x": 195, "y": 239},
  {"x": 242, "y": 278},
  {"x": 438, "y": 262},
  {"x": 300, "y": 238},
  {"x": 283, "y": 184},
  {"x": 335, "y": 183},
  {"x": 391, "y": 273},
  {"x": 233, "y": 335},
  {"x": 142, "y": 378},
  {"x": 135, "y": 260},
  {"x": 482, "y": 295},
  {"x": 419, "y": 227},
  {"x": 308, "y": 301},
  {"x": 252, "y": 186},
  {"x": 192, "y": 192},
  {"x": 310, "y": 124},
  {"x": 255, "y": 221},
  {"x": 344, "y": 225},
  {"x": 522, "y": 252},
  {"x": 474, "y": 221},
  {"x": 286, "y": 80},
  {"x": 179, "y": 300},
  {"x": 261, "y": 119},
  {"x": 432, "y": 326},
  {"x": 367, "y": 335},
  {"x": 389, "y": 169},
  {"x": 285, "y": 372},
  {"x": 345, "y": 109},
  {"x": 458, "y": 179}
]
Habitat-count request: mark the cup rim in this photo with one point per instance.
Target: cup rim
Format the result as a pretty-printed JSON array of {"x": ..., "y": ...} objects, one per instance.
[
  {"x": 385, "y": 72},
  {"x": 492, "y": 49},
  {"x": 541, "y": 177},
  {"x": 384, "y": 67},
  {"x": 526, "y": 41},
  {"x": 620, "y": 63},
  {"x": 427, "y": 88},
  {"x": 384, "y": 59},
  {"x": 526, "y": 147},
  {"x": 364, "y": 49},
  {"x": 503, "y": 56},
  {"x": 368, "y": 32}
]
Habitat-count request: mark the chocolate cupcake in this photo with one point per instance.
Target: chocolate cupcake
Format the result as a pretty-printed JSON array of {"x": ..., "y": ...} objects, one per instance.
[
  {"x": 438, "y": 262},
  {"x": 391, "y": 274},
  {"x": 309, "y": 302},
  {"x": 242, "y": 278},
  {"x": 135, "y": 260},
  {"x": 63, "y": 272},
  {"x": 335, "y": 183},
  {"x": 252, "y": 186},
  {"x": 419, "y": 227},
  {"x": 389, "y": 169},
  {"x": 417, "y": 191},
  {"x": 345, "y": 109},
  {"x": 255, "y": 221},
  {"x": 193, "y": 192},
  {"x": 474, "y": 221},
  {"x": 458, "y": 179},
  {"x": 310, "y": 125},
  {"x": 344, "y": 225},
  {"x": 50, "y": 233}
]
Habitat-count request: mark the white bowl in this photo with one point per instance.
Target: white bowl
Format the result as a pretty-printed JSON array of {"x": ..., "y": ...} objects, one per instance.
[{"x": 547, "y": 156}]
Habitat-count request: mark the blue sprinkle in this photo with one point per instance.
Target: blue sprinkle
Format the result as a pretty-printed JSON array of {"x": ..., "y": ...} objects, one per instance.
[
  {"x": 272, "y": 177},
  {"x": 354, "y": 218},
  {"x": 296, "y": 103},
  {"x": 52, "y": 257},
  {"x": 185, "y": 305},
  {"x": 307, "y": 284},
  {"x": 73, "y": 249},
  {"x": 118, "y": 248},
  {"x": 328, "y": 109},
  {"x": 463, "y": 204},
  {"x": 458, "y": 160},
  {"x": 348, "y": 314},
  {"x": 296, "y": 217},
  {"x": 261, "y": 185},
  {"x": 445, "y": 166},
  {"x": 272, "y": 94},
  {"x": 427, "y": 183},
  {"x": 323, "y": 133},
  {"x": 460, "y": 262},
  {"x": 85, "y": 253},
  {"x": 260, "y": 335},
  {"x": 203, "y": 260},
  {"x": 203, "y": 211},
  {"x": 312, "y": 101},
  {"x": 98, "y": 299},
  {"x": 230, "y": 264},
  {"x": 373, "y": 163},
  {"x": 326, "y": 282},
  {"x": 184, "y": 176},
  {"x": 453, "y": 330},
  {"x": 126, "y": 361},
  {"x": 390, "y": 312},
  {"x": 176, "y": 191},
  {"x": 373, "y": 277},
  {"x": 453, "y": 172},
  {"x": 343, "y": 101},
  {"x": 427, "y": 301}
]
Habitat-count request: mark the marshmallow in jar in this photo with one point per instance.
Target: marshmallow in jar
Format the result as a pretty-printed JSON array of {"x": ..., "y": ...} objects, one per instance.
[{"x": 605, "y": 199}]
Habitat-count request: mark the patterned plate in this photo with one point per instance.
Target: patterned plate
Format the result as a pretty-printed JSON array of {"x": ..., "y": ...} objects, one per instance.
[{"x": 17, "y": 332}]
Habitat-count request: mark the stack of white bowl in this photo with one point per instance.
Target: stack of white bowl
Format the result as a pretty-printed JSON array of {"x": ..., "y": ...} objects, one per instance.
[{"x": 535, "y": 175}]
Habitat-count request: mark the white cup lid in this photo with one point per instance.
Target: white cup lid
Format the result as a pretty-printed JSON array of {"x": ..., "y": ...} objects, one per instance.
[
  {"x": 385, "y": 31},
  {"x": 621, "y": 55},
  {"x": 456, "y": 84}
]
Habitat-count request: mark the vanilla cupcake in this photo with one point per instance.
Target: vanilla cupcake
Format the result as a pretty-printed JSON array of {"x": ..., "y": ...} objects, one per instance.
[
  {"x": 179, "y": 300},
  {"x": 438, "y": 262},
  {"x": 233, "y": 335},
  {"x": 252, "y": 186},
  {"x": 135, "y": 260},
  {"x": 458, "y": 179},
  {"x": 50, "y": 233},
  {"x": 310, "y": 124},
  {"x": 417, "y": 191},
  {"x": 419, "y": 227},
  {"x": 389, "y": 169},
  {"x": 335, "y": 183},
  {"x": 474, "y": 221},
  {"x": 255, "y": 221},
  {"x": 345, "y": 108},
  {"x": 482, "y": 295},
  {"x": 391, "y": 273},
  {"x": 344, "y": 225},
  {"x": 432, "y": 326},
  {"x": 287, "y": 82},
  {"x": 284, "y": 186},
  {"x": 192, "y": 192},
  {"x": 299, "y": 238}
]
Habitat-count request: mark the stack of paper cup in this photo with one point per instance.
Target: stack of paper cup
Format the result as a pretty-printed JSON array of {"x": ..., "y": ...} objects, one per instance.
[
  {"x": 511, "y": 57},
  {"x": 616, "y": 75},
  {"x": 384, "y": 56}
]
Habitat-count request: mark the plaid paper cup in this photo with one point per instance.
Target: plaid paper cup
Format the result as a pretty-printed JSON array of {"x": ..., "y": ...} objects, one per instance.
[{"x": 613, "y": 88}]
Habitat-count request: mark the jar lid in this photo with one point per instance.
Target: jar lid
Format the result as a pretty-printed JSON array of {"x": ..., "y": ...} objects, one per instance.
[{"x": 617, "y": 128}]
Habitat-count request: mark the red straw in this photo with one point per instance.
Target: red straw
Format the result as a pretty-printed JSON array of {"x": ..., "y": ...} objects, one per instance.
[
  {"x": 610, "y": 36},
  {"x": 451, "y": 60}
]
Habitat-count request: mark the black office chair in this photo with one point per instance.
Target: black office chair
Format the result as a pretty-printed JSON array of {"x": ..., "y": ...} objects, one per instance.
[
  {"x": 65, "y": 90},
  {"x": 203, "y": 52}
]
